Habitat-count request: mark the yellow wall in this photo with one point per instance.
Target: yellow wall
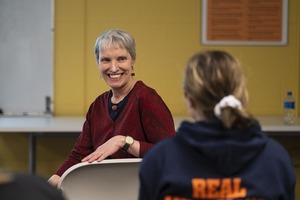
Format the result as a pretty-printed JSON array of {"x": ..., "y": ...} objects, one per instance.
[{"x": 167, "y": 33}]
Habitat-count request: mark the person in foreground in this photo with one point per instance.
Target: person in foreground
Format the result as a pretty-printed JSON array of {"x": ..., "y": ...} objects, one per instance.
[
  {"x": 22, "y": 186},
  {"x": 223, "y": 154},
  {"x": 127, "y": 120}
]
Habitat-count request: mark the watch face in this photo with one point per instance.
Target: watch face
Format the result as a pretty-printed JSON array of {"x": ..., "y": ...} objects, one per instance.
[{"x": 129, "y": 140}]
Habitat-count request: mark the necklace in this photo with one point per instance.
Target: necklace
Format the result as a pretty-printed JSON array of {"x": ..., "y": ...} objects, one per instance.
[{"x": 114, "y": 107}]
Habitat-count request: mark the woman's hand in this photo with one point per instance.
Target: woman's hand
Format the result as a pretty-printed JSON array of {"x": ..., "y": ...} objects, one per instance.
[
  {"x": 53, "y": 180},
  {"x": 106, "y": 149}
]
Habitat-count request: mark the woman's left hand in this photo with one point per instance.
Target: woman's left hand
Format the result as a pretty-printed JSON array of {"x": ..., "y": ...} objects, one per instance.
[{"x": 106, "y": 149}]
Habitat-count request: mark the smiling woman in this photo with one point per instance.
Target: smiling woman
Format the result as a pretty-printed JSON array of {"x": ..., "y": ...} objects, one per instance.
[
  {"x": 116, "y": 68},
  {"x": 127, "y": 120}
]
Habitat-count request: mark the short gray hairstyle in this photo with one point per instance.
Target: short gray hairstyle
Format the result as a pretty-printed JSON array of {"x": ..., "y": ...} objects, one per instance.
[{"x": 115, "y": 38}]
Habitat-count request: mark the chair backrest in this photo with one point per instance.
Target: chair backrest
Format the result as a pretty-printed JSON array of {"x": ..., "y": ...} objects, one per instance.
[{"x": 108, "y": 180}]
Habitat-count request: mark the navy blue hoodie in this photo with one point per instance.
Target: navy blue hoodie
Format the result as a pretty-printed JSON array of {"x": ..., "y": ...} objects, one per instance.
[{"x": 206, "y": 161}]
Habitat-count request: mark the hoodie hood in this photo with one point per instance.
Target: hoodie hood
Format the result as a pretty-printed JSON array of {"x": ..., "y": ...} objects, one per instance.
[{"x": 230, "y": 150}]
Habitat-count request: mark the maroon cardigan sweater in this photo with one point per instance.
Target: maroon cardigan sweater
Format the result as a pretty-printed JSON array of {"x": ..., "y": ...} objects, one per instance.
[{"x": 145, "y": 117}]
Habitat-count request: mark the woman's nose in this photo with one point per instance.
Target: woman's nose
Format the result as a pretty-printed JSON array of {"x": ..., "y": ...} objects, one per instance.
[{"x": 114, "y": 66}]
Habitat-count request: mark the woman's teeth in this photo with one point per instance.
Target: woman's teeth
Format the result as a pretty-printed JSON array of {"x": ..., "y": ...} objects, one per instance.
[{"x": 115, "y": 75}]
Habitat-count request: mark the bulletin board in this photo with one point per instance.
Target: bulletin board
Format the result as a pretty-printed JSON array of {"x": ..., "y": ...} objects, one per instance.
[
  {"x": 26, "y": 57},
  {"x": 244, "y": 22}
]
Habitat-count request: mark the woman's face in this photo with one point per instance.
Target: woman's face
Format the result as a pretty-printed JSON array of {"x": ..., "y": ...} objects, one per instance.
[{"x": 116, "y": 66}]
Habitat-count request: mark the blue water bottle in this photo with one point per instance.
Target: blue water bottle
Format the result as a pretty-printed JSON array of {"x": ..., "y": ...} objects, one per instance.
[{"x": 289, "y": 109}]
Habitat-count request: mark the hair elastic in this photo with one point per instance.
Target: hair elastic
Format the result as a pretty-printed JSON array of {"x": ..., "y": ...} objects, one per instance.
[{"x": 228, "y": 101}]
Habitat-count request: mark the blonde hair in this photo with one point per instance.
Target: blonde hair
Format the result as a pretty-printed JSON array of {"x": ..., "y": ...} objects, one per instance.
[{"x": 209, "y": 77}]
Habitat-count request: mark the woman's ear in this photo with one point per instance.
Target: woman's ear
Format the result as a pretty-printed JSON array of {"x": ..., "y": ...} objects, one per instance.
[
  {"x": 192, "y": 108},
  {"x": 133, "y": 62},
  {"x": 189, "y": 104},
  {"x": 189, "y": 101}
]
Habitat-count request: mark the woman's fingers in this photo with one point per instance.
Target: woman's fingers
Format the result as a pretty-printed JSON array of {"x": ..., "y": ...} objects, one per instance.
[
  {"x": 106, "y": 149},
  {"x": 96, "y": 155}
]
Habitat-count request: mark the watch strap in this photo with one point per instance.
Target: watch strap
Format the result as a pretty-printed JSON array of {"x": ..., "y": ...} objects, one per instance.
[{"x": 125, "y": 147}]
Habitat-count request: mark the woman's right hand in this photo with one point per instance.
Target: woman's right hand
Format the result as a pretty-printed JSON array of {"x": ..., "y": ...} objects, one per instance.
[
  {"x": 106, "y": 149},
  {"x": 53, "y": 180}
]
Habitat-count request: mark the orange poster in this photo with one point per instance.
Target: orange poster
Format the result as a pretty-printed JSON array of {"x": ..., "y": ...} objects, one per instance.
[{"x": 244, "y": 21}]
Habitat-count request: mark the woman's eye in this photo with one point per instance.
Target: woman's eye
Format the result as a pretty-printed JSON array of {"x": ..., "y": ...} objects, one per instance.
[
  {"x": 122, "y": 58},
  {"x": 105, "y": 60}
]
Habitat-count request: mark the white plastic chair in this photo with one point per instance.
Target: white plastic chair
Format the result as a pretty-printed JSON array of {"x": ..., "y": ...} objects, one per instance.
[{"x": 108, "y": 180}]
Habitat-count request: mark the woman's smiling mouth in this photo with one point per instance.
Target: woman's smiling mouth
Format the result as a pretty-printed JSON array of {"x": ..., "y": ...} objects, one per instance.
[{"x": 115, "y": 76}]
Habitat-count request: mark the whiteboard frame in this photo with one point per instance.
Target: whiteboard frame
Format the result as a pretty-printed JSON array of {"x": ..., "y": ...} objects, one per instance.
[
  {"x": 283, "y": 42},
  {"x": 28, "y": 48}
]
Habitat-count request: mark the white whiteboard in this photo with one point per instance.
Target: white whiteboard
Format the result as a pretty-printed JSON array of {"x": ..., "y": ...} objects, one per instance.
[{"x": 26, "y": 56}]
